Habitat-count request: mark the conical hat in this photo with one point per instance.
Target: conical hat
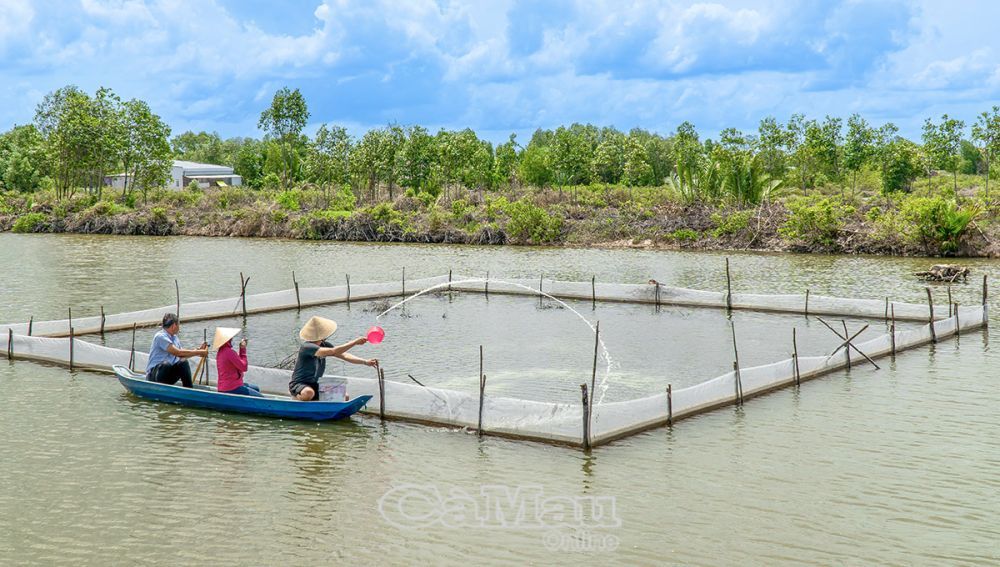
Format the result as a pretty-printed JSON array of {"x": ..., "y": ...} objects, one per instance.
[
  {"x": 317, "y": 329},
  {"x": 223, "y": 335}
]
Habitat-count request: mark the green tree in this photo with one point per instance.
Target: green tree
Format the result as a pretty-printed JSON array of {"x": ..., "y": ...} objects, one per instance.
[
  {"x": 505, "y": 162},
  {"x": 284, "y": 121},
  {"x": 417, "y": 160},
  {"x": 986, "y": 131},
  {"x": 145, "y": 151},
  {"x": 572, "y": 153},
  {"x": 773, "y": 140},
  {"x": 943, "y": 142},
  {"x": 636, "y": 171},
  {"x": 608, "y": 165},
  {"x": 858, "y": 147},
  {"x": 536, "y": 165},
  {"x": 22, "y": 158},
  {"x": 329, "y": 161},
  {"x": 249, "y": 162}
]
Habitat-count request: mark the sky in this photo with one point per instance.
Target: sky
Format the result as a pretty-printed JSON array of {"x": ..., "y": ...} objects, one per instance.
[{"x": 509, "y": 66}]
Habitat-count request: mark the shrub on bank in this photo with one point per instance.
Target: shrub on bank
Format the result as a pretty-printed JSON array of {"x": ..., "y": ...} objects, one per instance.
[
  {"x": 815, "y": 220},
  {"x": 30, "y": 222},
  {"x": 938, "y": 224},
  {"x": 531, "y": 223}
]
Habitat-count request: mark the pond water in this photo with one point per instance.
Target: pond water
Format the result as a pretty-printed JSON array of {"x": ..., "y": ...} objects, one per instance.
[{"x": 895, "y": 466}]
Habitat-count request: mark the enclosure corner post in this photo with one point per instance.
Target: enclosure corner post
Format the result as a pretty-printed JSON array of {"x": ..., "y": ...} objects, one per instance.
[{"x": 586, "y": 417}]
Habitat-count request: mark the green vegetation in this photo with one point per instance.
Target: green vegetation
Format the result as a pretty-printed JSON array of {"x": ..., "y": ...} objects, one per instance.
[{"x": 808, "y": 184}]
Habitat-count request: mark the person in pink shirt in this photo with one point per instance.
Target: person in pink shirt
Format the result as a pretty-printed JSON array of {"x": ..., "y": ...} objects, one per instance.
[{"x": 232, "y": 365}]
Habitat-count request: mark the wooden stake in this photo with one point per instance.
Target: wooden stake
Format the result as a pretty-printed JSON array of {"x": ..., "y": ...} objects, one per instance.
[
  {"x": 930, "y": 308},
  {"x": 847, "y": 350},
  {"x": 670, "y": 405},
  {"x": 177, "y": 291},
  {"x": 986, "y": 319},
  {"x": 298, "y": 301},
  {"x": 593, "y": 292},
  {"x": 887, "y": 308},
  {"x": 103, "y": 320},
  {"x": 593, "y": 374},
  {"x": 482, "y": 387},
  {"x": 807, "y": 302},
  {"x": 586, "y": 417},
  {"x": 381, "y": 393},
  {"x": 795, "y": 358},
  {"x": 949, "y": 301},
  {"x": 71, "y": 349},
  {"x": 449, "y": 280},
  {"x": 729, "y": 287},
  {"x": 131, "y": 357},
  {"x": 958, "y": 325},
  {"x": 892, "y": 329},
  {"x": 70, "y": 310},
  {"x": 736, "y": 366},
  {"x": 348, "y": 291},
  {"x": 10, "y": 343},
  {"x": 31, "y": 324}
]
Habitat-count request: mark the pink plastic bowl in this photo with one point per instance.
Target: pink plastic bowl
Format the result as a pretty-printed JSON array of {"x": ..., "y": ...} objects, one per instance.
[{"x": 375, "y": 335}]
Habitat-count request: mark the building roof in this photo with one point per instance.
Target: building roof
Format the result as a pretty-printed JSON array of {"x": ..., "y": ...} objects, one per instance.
[{"x": 195, "y": 168}]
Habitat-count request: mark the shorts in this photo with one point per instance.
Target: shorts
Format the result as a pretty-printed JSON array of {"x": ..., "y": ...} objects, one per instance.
[{"x": 295, "y": 387}]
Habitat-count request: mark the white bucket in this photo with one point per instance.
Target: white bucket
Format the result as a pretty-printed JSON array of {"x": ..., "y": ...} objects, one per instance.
[{"x": 332, "y": 389}]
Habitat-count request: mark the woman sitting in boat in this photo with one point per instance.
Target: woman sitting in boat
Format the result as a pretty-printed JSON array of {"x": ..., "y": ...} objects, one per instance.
[
  {"x": 167, "y": 360},
  {"x": 232, "y": 365},
  {"x": 311, "y": 361}
]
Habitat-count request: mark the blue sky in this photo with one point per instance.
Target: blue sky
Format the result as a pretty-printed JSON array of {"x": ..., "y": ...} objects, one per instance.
[{"x": 502, "y": 66}]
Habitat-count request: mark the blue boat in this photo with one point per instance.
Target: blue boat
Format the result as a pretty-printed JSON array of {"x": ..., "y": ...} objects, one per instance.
[{"x": 209, "y": 398}]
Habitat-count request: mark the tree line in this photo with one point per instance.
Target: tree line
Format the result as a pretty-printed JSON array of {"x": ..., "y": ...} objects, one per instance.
[{"x": 76, "y": 140}]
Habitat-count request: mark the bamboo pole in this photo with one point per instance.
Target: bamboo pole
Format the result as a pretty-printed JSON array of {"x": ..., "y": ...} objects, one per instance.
[
  {"x": 949, "y": 301},
  {"x": 729, "y": 287},
  {"x": 31, "y": 324},
  {"x": 736, "y": 366},
  {"x": 670, "y": 405},
  {"x": 177, "y": 291},
  {"x": 482, "y": 387},
  {"x": 593, "y": 292},
  {"x": 243, "y": 293},
  {"x": 298, "y": 301},
  {"x": 449, "y": 280},
  {"x": 958, "y": 325},
  {"x": 593, "y": 374},
  {"x": 887, "y": 309},
  {"x": 930, "y": 308},
  {"x": 795, "y": 359},
  {"x": 846, "y": 350},
  {"x": 807, "y": 302},
  {"x": 70, "y": 311},
  {"x": 381, "y": 392},
  {"x": 131, "y": 357},
  {"x": 986, "y": 318},
  {"x": 103, "y": 320},
  {"x": 586, "y": 416},
  {"x": 71, "y": 341},
  {"x": 892, "y": 330},
  {"x": 10, "y": 344},
  {"x": 348, "y": 291}
]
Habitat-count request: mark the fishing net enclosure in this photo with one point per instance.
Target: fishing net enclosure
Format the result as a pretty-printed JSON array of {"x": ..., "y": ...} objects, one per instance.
[{"x": 651, "y": 336}]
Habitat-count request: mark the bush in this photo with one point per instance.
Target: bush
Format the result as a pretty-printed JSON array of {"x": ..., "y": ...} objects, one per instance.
[
  {"x": 289, "y": 200},
  {"x": 531, "y": 223},
  {"x": 815, "y": 219},
  {"x": 937, "y": 223},
  {"x": 107, "y": 209},
  {"x": 194, "y": 186},
  {"x": 684, "y": 235},
  {"x": 271, "y": 182},
  {"x": 30, "y": 222},
  {"x": 732, "y": 223}
]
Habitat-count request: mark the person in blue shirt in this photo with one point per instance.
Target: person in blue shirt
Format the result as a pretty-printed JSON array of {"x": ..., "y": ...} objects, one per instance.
[{"x": 167, "y": 360}]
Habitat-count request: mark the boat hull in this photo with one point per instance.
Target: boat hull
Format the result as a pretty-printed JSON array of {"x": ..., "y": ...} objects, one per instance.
[{"x": 208, "y": 398}]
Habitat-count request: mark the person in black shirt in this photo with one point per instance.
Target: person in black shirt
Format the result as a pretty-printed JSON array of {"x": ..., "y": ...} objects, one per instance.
[{"x": 311, "y": 361}]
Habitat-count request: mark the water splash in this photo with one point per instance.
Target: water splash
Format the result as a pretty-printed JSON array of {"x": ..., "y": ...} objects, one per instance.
[{"x": 602, "y": 386}]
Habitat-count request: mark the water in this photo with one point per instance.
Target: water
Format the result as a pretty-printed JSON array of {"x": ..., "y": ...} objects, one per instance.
[{"x": 897, "y": 466}]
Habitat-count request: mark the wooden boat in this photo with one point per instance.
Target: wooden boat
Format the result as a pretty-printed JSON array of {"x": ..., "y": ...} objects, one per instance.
[{"x": 209, "y": 398}]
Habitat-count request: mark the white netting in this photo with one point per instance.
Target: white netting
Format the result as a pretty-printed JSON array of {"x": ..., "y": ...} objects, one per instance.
[
  {"x": 530, "y": 419},
  {"x": 604, "y": 292}
]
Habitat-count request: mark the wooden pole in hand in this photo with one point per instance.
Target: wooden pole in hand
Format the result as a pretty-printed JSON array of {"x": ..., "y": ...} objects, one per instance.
[
  {"x": 243, "y": 293},
  {"x": 131, "y": 356},
  {"x": 381, "y": 392}
]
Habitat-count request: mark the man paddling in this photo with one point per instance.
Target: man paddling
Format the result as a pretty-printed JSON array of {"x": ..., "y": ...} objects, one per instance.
[
  {"x": 167, "y": 360},
  {"x": 311, "y": 361}
]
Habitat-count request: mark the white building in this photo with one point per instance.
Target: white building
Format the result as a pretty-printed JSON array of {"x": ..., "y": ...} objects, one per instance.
[{"x": 182, "y": 173}]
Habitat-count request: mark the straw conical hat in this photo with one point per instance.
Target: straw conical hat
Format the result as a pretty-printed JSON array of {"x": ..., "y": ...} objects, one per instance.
[
  {"x": 317, "y": 329},
  {"x": 223, "y": 335}
]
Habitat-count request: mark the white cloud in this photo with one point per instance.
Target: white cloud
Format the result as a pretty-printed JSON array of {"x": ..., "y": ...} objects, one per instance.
[{"x": 15, "y": 19}]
